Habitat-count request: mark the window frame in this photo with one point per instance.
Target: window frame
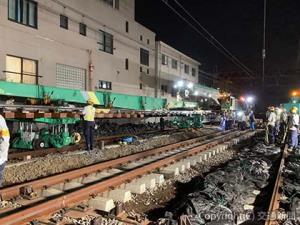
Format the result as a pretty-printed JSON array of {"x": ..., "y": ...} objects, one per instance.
[
  {"x": 126, "y": 64},
  {"x": 164, "y": 60},
  {"x": 105, "y": 45},
  {"x": 82, "y": 25},
  {"x": 67, "y": 21},
  {"x": 142, "y": 50},
  {"x": 194, "y": 71},
  {"x": 127, "y": 26},
  {"x": 21, "y": 74},
  {"x": 101, "y": 82},
  {"x": 174, "y": 64},
  {"x": 186, "y": 69},
  {"x": 27, "y": 24}
]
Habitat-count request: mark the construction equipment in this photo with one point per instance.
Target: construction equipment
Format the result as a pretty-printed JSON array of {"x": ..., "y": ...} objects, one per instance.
[
  {"x": 54, "y": 133},
  {"x": 190, "y": 121}
]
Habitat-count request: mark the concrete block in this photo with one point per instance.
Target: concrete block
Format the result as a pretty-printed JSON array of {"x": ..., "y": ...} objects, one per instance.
[
  {"x": 120, "y": 195},
  {"x": 135, "y": 187},
  {"x": 51, "y": 192},
  {"x": 148, "y": 181},
  {"x": 159, "y": 178},
  {"x": 89, "y": 179},
  {"x": 187, "y": 164},
  {"x": 170, "y": 171},
  {"x": 103, "y": 204},
  {"x": 114, "y": 171},
  {"x": 72, "y": 185},
  {"x": 131, "y": 166},
  {"x": 103, "y": 175},
  {"x": 193, "y": 161}
]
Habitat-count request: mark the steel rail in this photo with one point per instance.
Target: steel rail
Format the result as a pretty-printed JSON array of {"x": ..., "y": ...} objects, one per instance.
[
  {"x": 13, "y": 191},
  {"x": 72, "y": 198},
  {"x": 275, "y": 199}
]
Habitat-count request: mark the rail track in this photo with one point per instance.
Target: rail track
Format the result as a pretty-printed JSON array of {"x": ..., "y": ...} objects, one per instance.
[
  {"x": 17, "y": 154},
  {"x": 272, "y": 216},
  {"x": 35, "y": 204}
]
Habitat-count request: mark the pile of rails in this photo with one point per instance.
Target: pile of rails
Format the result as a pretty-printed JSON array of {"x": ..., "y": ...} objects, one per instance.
[
  {"x": 231, "y": 191},
  {"x": 290, "y": 191}
]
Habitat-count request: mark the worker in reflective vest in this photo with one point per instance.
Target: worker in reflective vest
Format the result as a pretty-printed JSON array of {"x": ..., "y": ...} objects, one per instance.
[
  {"x": 4, "y": 146},
  {"x": 89, "y": 124}
]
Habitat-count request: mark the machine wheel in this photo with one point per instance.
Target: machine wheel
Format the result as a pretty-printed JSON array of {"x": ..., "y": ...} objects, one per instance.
[
  {"x": 76, "y": 137},
  {"x": 39, "y": 144}
]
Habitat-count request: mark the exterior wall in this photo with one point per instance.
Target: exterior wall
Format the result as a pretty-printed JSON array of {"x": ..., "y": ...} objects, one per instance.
[
  {"x": 50, "y": 44},
  {"x": 168, "y": 75}
]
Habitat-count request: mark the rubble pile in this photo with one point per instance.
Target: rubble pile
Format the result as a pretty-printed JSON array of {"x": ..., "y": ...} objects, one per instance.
[
  {"x": 231, "y": 191},
  {"x": 109, "y": 128},
  {"x": 290, "y": 190}
]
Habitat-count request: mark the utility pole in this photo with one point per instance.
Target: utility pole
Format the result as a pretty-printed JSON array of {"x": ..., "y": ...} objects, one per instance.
[{"x": 264, "y": 46}]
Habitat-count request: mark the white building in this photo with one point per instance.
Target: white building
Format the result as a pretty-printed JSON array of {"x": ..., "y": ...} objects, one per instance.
[
  {"x": 87, "y": 45},
  {"x": 173, "y": 66}
]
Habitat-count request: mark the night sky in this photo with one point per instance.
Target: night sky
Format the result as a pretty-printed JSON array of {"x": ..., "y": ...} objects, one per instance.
[{"x": 238, "y": 25}]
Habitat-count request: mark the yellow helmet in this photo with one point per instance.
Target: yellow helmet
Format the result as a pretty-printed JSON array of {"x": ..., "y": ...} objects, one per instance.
[
  {"x": 90, "y": 101},
  {"x": 294, "y": 109}
]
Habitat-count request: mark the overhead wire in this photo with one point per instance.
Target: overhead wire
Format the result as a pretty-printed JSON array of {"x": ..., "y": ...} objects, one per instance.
[
  {"x": 211, "y": 36},
  {"x": 249, "y": 73}
]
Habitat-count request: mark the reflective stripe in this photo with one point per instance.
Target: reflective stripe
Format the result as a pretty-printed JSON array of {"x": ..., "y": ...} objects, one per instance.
[
  {"x": 4, "y": 133},
  {"x": 90, "y": 113}
]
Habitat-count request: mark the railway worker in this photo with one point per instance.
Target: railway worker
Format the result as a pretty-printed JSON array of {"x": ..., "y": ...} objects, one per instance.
[
  {"x": 271, "y": 122},
  {"x": 4, "y": 146},
  {"x": 252, "y": 120},
  {"x": 293, "y": 125},
  {"x": 89, "y": 124},
  {"x": 277, "y": 123},
  {"x": 283, "y": 123},
  {"x": 223, "y": 121}
]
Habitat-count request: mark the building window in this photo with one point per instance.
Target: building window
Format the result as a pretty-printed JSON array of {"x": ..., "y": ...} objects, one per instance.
[
  {"x": 164, "y": 60},
  {"x": 126, "y": 64},
  {"x": 141, "y": 37},
  {"x": 127, "y": 27},
  {"x": 164, "y": 88},
  {"x": 141, "y": 86},
  {"x": 64, "y": 22},
  {"x": 117, "y": 4},
  {"x": 109, "y": 2},
  {"x": 193, "y": 72},
  {"x": 186, "y": 69},
  {"x": 148, "y": 71},
  {"x": 106, "y": 42},
  {"x": 70, "y": 77},
  {"x": 141, "y": 69},
  {"x": 104, "y": 85},
  {"x": 21, "y": 70},
  {"x": 174, "y": 64},
  {"x": 144, "y": 57},
  {"x": 82, "y": 29},
  {"x": 148, "y": 41},
  {"x": 23, "y": 12}
]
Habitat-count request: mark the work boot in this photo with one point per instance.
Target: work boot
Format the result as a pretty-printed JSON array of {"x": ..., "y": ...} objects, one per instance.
[
  {"x": 87, "y": 148},
  {"x": 91, "y": 148}
]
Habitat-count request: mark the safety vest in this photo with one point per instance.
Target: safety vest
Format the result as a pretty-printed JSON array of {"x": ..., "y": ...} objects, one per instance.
[
  {"x": 89, "y": 113},
  {"x": 4, "y": 132}
]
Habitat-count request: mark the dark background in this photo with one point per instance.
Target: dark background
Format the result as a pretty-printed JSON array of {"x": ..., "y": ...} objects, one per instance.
[{"x": 238, "y": 25}]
